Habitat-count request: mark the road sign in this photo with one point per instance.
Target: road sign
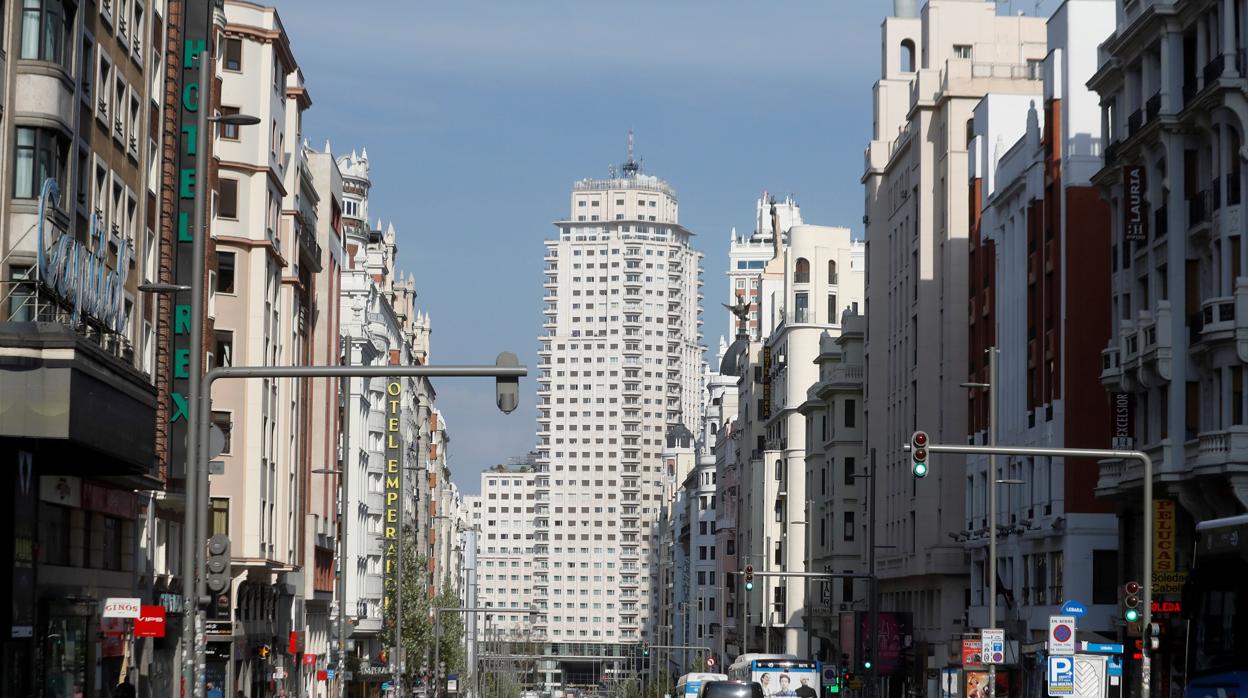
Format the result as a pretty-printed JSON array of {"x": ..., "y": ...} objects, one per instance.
[
  {"x": 1062, "y": 635},
  {"x": 710, "y": 661},
  {"x": 452, "y": 685},
  {"x": 279, "y": 673},
  {"x": 993, "y": 645},
  {"x": 1061, "y": 676},
  {"x": 1074, "y": 608},
  {"x": 329, "y": 673},
  {"x": 385, "y": 685},
  {"x": 118, "y": 607},
  {"x": 1100, "y": 647}
]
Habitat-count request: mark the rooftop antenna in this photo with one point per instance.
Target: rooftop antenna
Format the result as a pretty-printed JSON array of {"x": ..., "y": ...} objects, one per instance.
[{"x": 630, "y": 166}]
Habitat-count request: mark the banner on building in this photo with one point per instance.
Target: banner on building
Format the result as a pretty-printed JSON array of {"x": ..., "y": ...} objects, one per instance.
[
  {"x": 1123, "y": 410},
  {"x": 1135, "y": 209},
  {"x": 1163, "y": 536},
  {"x": 765, "y": 413}
]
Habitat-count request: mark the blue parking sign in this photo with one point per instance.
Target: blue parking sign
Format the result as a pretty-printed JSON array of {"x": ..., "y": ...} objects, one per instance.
[{"x": 1061, "y": 676}]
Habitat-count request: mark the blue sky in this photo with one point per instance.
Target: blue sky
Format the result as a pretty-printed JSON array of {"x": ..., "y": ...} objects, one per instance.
[{"x": 478, "y": 116}]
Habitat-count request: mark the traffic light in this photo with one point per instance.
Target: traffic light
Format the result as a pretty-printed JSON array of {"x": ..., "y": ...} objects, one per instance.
[
  {"x": 218, "y": 564},
  {"x": 645, "y": 649},
  {"x": 1131, "y": 612},
  {"x": 866, "y": 665},
  {"x": 749, "y": 577},
  {"x": 1154, "y": 637},
  {"x": 918, "y": 453}
]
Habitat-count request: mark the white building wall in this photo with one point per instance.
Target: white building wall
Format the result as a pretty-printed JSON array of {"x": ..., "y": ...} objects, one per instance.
[{"x": 613, "y": 377}]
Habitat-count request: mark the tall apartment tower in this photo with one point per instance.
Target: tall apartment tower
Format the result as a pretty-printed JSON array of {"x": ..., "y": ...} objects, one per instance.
[
  {"x": 937, "y": 65},
  {"x": 619, "y": 364}
]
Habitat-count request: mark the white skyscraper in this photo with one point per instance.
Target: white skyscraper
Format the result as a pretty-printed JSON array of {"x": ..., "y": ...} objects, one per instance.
[{"x": 619, "y": 364}]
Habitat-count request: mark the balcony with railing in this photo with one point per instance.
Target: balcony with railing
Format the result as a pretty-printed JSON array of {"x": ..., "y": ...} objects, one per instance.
[
  {"x": 1217, "y": 319},
  {"x": 309, "y": 249}
]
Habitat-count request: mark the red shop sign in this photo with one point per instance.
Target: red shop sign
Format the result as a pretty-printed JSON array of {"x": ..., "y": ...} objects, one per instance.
[{"x": 151, "y": 622}]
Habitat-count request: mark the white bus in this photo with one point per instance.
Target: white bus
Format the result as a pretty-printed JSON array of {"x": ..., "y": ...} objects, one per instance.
[
  {"x": 778, "y": 674},
  {"x": 689, "y": 684}
]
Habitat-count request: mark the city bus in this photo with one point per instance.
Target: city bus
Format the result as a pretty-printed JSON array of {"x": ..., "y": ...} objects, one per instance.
[
  {"x": 689, "y": 684},
  {"x": 1215, "y": 605},
  {"x": 778, "y": 674}
]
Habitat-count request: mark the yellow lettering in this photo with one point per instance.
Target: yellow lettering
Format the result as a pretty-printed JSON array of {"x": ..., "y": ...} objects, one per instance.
[
  {"x": 394, "y": 407},
  {"x": 392, "y": 424},
  {"x": 394, "y": 388},
  {"x": 391, "y": 498},
  {"x": 392, "y": 441},
  {"x": 391, "y": 532},
  {"x": 392, "y": 483},
  {"x": 392, "y": 466}
]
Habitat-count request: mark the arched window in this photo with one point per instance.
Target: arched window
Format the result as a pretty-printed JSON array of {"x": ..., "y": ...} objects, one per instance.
[
  {"x": 832, "y": 271},
  {"x": 801, "y": 274},
  {"x": 907, "y": 56}
]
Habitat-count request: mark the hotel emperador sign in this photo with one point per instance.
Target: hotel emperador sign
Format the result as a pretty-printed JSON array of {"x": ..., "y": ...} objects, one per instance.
[{"x": 394, "y": 501}]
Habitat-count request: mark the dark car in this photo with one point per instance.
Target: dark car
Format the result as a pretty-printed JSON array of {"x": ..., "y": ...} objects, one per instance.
[{"x": 730, "y": 689}]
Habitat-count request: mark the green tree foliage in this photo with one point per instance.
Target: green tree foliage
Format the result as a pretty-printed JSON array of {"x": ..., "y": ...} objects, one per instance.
[
  {"x": 417, "y": 627},
  {"x": 451, "y": 642}
]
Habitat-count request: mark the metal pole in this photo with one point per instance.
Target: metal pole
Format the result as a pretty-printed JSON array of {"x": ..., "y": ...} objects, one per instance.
[
  {"x": 347, "y": 461},
  {"x": 437, "y": 652},
  {"x": 993, "y": 354},
  {"x": 1145, "y": 461},
  {"x": 767, "y": 595},
  {"x": 874, "y": 601},
  {"x": 745, "y": 614},
  {"x": 192, "y": 541}
]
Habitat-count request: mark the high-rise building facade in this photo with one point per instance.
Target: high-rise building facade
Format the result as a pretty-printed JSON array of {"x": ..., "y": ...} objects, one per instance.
[
  {"x": 1039, "y": 268},
  {"x": 619, "y": 363},
  {"x": 503, "y": 512},
  {"x": 937, "y": 65},
  {"x": 1171, "y": 88}
]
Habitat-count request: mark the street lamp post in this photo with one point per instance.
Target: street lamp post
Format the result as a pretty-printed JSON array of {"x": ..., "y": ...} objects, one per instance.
[
  {"x": 344, "y": 430},
  {"x": 194, "y": 524},
  {"x": 506, "y": 373},
  {"x": 994, "y": 354}
]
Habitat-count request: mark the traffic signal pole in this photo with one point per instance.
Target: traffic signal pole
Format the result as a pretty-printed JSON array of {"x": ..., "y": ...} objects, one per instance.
[{"x": 1102, "y": 453}]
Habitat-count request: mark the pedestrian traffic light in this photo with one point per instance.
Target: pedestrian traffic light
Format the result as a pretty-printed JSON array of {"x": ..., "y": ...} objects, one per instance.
[
  {"x": 834, "y": 686},
  {"x": 1154, "y": 637},
  {"x": 218, "y": 564},
  {"x": 749, "y": 577},
  {"x": 918, "y": 453}
]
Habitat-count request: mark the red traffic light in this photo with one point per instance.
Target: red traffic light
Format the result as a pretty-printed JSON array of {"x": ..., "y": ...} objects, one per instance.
[
  {"x": 1133, "y": 588},
  {"x": 749, "y": 572},
  {"x": 919, "y": 439},
  {"x": 920, "y": 454}
]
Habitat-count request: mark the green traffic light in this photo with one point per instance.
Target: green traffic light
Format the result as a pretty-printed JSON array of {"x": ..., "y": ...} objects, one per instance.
[
  {"x": 749, "y": 586},
  {"x": 834, "y": 687},
  {"x": 1132, "y": 615},
  {"x": 920, "y": 469},
  {"x": 866, "y": 664}
]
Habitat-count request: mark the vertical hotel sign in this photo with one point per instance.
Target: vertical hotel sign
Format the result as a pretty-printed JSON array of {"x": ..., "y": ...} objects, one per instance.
[
  {"x": 196, "y": 27},
  {"x": 394, "y": 501},
  {"x": 1135, "y": 213},
  {"x": 766, "y": 411}
]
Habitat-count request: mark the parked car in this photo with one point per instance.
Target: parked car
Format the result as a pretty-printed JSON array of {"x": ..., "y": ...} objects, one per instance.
[{"x": 730, "y": 689}]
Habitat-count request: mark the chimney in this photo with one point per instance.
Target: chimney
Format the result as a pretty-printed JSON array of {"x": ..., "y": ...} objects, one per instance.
[{"x": 905, "y": 8}]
